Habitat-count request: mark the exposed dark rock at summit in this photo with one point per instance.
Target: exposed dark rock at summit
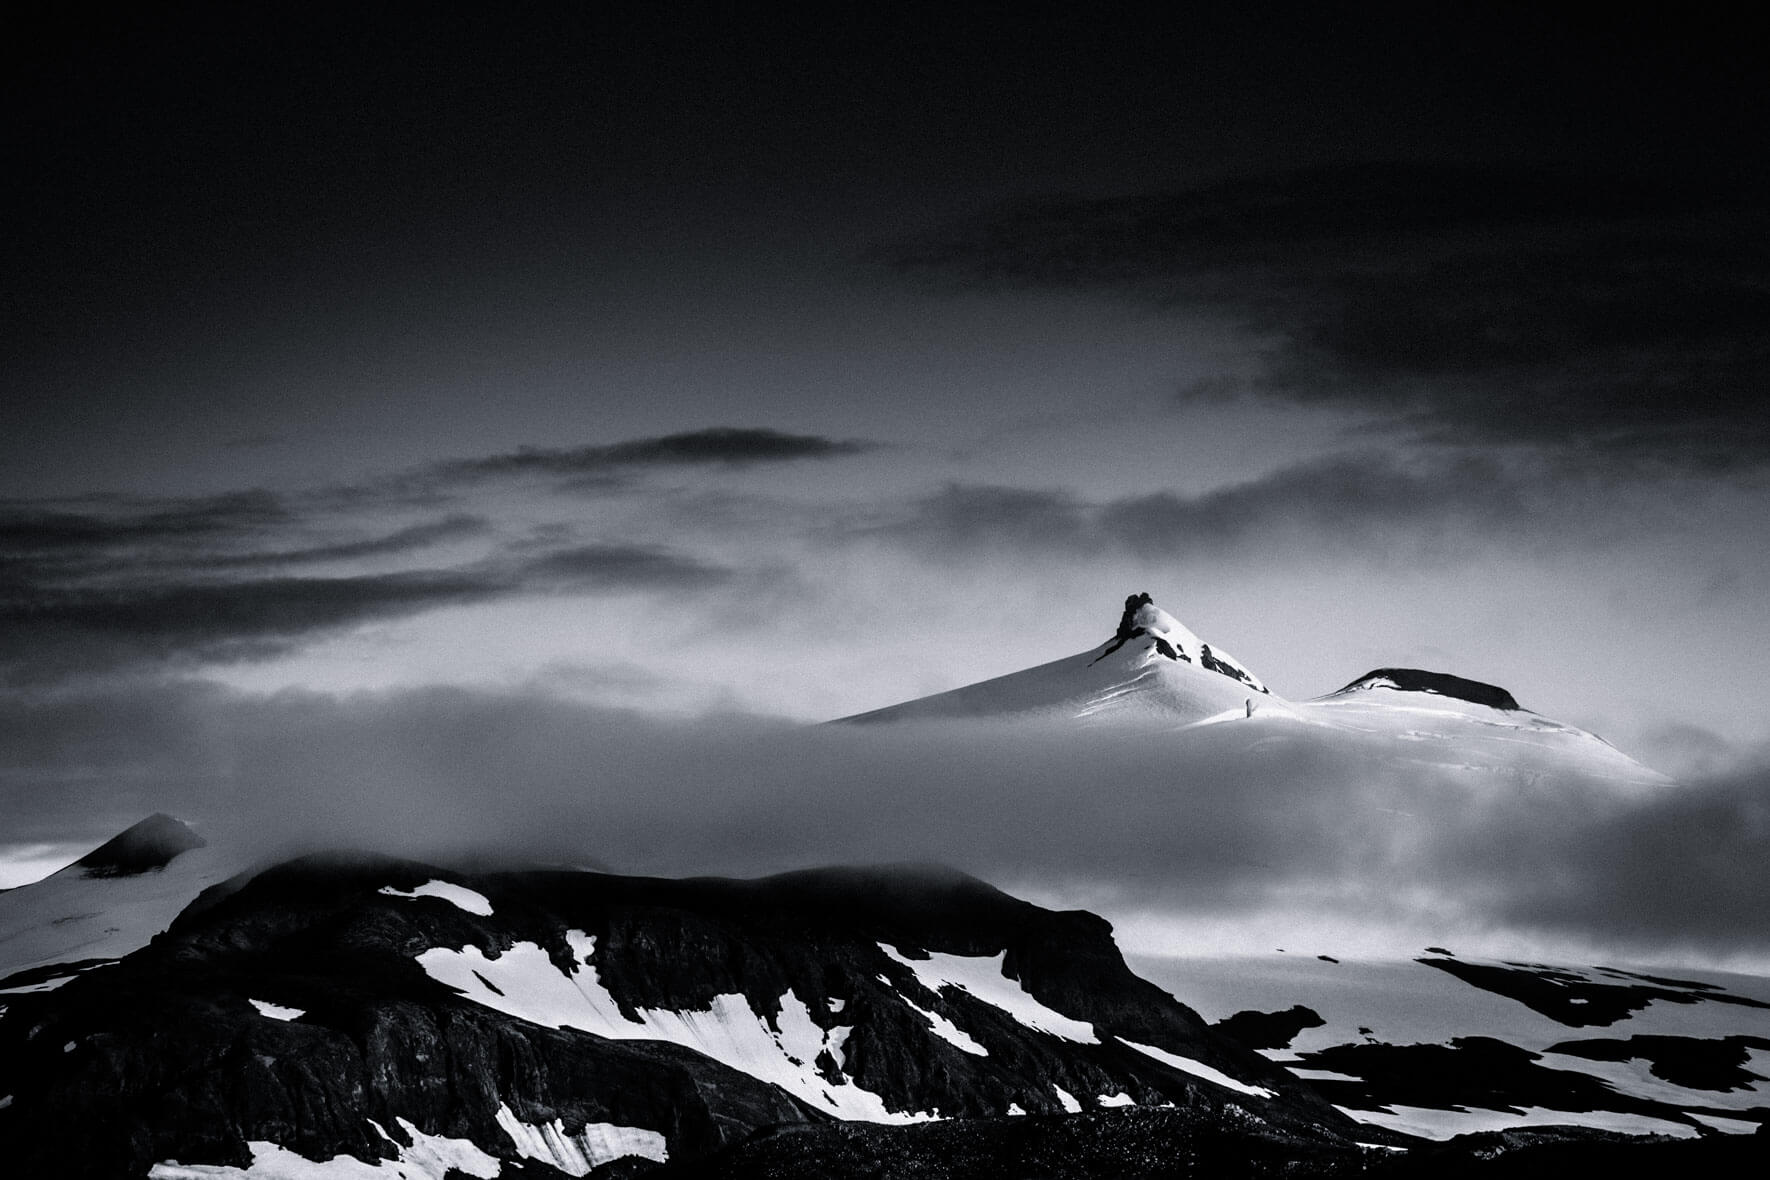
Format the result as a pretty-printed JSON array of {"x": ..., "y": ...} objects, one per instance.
[
  {"x": 1129, "y": 629},
  {"x": 142, "y": 848},
  {"x": 1128, "y": 621},
  {"x": 1440, "y": 684}
]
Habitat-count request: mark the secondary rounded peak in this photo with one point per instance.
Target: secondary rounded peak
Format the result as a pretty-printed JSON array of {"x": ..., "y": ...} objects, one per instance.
[
  {"x": 1437, "y": 683},
  {"x": 143, "y": 847},
  {"x": 1174, "y": 640}
]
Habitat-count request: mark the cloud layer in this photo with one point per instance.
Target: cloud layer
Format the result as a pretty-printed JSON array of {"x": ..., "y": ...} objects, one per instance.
[
  {"x": 107, "y": 582},
  {"x": 1600, "y": 319},
  {"x": 714, "y": 446},
  {"x": 1319, "y": 831},
  {"x": 1366, "y": 501}
]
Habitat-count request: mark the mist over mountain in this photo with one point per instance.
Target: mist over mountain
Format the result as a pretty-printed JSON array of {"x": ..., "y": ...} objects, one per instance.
[
  {"x": 358, "y": 1014},
  {"x": 221, "y": 1009},
  {"x": 1393, "y": 818},
  {"x": 517, "y": 526}
]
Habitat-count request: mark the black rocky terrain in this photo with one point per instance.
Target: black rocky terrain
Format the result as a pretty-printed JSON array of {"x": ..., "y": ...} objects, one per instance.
[
  {"x": 1696, "y": 1063},
  {"x": 165, "y": 1056},
  {"x": 1269, "y": 1030},
  {"x": 1224, "y": 1144},
  {"x": 1468, "y": 1073},
  {"x": 1574, "y": 999},
  {"x": 1214, "y": 1139}
]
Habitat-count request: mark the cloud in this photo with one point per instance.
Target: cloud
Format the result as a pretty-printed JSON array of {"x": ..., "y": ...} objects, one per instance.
[
  {"x": 115, "y": 523},
  {"x": 107, "y": 582},
  {"x": 1596, "y": 318},
  {"x": 1689, "y": 866},
  {"x": 193, "y": 622},
  {"x": 197, "y": 611},
  {"x": 715, "y": 446},
  {"x": 975, "y": 517},
  {"x": 458, "y": 526},
  {"x": 1368, "y": 502},
  {"x": 1314, "y": 831},
  {"x": 237, "y": 530},
  {"x": 1335, "y": 500},
  {"x": 618, "y": 567}
]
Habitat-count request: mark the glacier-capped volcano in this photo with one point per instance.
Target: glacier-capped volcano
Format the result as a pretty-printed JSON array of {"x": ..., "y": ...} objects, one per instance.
[
  {"x": 1152, "y": 669},
  {"x": 1155, "y": 672}
]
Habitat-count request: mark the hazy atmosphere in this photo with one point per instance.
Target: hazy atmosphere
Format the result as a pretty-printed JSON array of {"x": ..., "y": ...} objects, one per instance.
[{"x": 439, "y": 432}]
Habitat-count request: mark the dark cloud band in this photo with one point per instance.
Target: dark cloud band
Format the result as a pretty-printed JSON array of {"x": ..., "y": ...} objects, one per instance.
[
  {"x": 717, "y": 446},
  {"x": 107, "y": 582},
  {"x": 52, "y": 628},
  {"x": 1195, "y": 824},
  {"x": 1592, "y": 317}
]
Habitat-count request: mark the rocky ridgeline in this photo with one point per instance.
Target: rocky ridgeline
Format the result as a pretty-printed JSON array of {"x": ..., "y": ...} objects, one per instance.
[{"x": 292, "y": 1008}]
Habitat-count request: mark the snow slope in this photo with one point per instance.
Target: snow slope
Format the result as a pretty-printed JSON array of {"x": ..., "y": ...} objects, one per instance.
[
  {"x": 1441, "y": 730},
  {"x": 83, "y": 915},
  {"x": 1414, "y": 1005},
  {"x": 1153, "y": 669},
  {"x": 1156, "y": 673}
]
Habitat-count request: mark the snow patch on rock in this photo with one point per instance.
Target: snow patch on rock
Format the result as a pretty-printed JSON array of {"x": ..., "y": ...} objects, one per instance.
[
  {"x": 455, "y": 895},
  {"x": 1198, "y": 1069},
  {"x": 1445, "y": 1124},
  {"x": 438, "y": 1155},
  {"x": 946, "y": 1030},
  {"x": 276, "y": 1011},
  {"x": 981, "y": 976},
  {"x": 596, "y": 1144},
  {"x": 430, "y": 1157},
  {"x": 524, "y": 983}
]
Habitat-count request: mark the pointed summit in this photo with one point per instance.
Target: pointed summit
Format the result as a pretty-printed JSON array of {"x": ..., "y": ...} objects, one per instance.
[
  {"x": 142, "y": 848},
  {"x": 1153, "y": 669},
  {"x": 1153, "y": 672},
  {"x": 1170, "y": 638}
]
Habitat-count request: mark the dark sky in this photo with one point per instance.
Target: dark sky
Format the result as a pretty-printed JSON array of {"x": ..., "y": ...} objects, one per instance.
[
  {"x": 239, "y": 227},
  {"x": 686, "y": 361}
]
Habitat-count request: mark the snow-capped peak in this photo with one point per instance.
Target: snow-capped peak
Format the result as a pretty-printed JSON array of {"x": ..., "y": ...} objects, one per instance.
[
  {"x": 1173, "y": 640},
  {"x": 1143, "y": 617},
  {"x": 1153, "y": 669}
]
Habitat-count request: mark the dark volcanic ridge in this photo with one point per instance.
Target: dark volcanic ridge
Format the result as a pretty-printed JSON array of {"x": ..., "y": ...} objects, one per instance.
[
  {"x": 319, "y": 1001},
  {"x": 559, "y": 1022}
]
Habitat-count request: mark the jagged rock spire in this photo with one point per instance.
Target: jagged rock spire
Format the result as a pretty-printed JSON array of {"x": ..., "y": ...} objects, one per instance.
[{"x": 1128, "y": 621}]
